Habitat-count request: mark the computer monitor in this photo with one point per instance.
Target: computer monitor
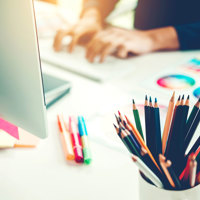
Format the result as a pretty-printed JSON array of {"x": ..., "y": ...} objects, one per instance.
[{"x": 21, "y": 91}]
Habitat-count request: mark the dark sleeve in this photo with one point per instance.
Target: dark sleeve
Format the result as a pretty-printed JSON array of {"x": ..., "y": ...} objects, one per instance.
[{"x": 189, "y": 36}]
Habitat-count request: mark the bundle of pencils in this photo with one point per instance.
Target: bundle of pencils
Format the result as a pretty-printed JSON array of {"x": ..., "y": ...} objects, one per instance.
[{"x": 161, "y": 155}]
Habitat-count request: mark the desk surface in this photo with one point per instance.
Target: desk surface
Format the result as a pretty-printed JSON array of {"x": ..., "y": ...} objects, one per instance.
[{"x": 43, "y": 173}]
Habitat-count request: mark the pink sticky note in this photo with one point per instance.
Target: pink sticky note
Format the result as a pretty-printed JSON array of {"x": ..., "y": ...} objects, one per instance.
[{"x": 9, "y": 128}]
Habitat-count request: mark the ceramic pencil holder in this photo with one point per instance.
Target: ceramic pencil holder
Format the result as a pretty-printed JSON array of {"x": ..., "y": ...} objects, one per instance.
[{"x": 148, "y": 191}]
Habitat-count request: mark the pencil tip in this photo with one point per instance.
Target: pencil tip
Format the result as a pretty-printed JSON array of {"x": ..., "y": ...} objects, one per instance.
[
  {"x": 117, "y": 119},
  {"x": 155, "y": 100},
  {"x": 188, "y": 97},
  {"x": 119, "y": 112},
  {"x": 179, "y": 97},
  {"x": 183, "y": 97},
  {"x": 133, "y": 101},
  {"x": 146, "y": 97},
  {"x": 150, "y": 99},
  {"x": 173, "y": 94},
  {"x": 115, "y": 126}
]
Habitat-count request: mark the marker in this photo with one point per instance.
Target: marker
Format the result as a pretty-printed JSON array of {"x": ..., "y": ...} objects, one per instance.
[
  {"x": 65, "y": 139},
  {"x": 76, "y": 140},
  {"x": 84, "y": 139}
]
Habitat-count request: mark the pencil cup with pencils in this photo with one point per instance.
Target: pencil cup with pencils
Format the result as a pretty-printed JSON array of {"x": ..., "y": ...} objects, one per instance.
[{"x": 169, "y": 167}]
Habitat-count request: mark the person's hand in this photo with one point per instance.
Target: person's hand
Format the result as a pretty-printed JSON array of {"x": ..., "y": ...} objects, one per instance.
[
  {"x": 121, "y": 42},
  {"x": 82, "y": 32}
]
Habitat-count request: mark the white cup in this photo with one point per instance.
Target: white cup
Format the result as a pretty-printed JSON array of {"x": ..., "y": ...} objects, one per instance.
[{"x": 148, "y": 191}]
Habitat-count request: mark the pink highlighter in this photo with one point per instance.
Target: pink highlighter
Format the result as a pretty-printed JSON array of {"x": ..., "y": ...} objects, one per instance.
[{"x": 76, "y": 140}]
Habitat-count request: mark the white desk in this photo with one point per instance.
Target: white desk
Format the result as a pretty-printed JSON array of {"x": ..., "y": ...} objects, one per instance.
[{"x": 43, "y": 173}]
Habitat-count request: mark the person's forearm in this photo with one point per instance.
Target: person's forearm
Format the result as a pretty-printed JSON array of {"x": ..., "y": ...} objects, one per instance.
[
  {"x": 104, "y": 7},
  {"x": 164, "y": 39}
]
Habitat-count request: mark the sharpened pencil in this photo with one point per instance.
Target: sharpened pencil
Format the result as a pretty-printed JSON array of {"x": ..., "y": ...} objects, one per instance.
[
  {"x": 168, "y": 122},
  {"x": 172, "y": 128},
  {"x": 147, "y": 117},
  {"x": 137, "y": 119},
  {"x": 157, "y": 128},
  {"x": 141, "y": 141}
]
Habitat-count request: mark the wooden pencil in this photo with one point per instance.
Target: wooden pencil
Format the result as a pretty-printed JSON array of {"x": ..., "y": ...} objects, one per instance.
[
  {"x": 125, "y": 137},
  {"x": 151, "y": 136},
  {"x": 192, "y": 173},
  {"x": 168, "y": 123},
  {"x": 192, "y": 130},
  {"x": 174, "y": 118},
  {"x": 164, "y": 166},
  {"x": 157, "y": 128},
  {"x": 194, "y": 147},
  {"x": 192, "y": 116},
  {"x": 147, "y": 115},
  {"x": 141, "y": 141},
  {"x": 137, "y": 119}
]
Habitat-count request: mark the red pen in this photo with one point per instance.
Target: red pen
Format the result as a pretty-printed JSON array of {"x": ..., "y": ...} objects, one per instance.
[{"x": 76, "y": 140}]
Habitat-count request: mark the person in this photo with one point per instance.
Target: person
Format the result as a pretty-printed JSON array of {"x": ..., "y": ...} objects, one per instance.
[{"x": 159, "y": 25}]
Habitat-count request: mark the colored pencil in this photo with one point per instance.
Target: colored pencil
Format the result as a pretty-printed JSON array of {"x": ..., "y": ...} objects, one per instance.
[
  {"x": 194, "y": 147},
  {"x": 192, "y": 116},
  {"x": 182, "y": 133},
  {"x": 126, "y": 138},
  {"x": 141, "y": 141},
  {"x": 167, "y": 123},
  {"x": 157, "y": 128},
  {"x": 137, "y": 119},
  {"x": 172, "y": 139},
  {"x": 198, "y": 178},
  {"x": 151, "y": 137},
  {"x": 192, "y": 173},
  {"x": 164, "y": 166},
  {"x": 192, "y": 130},
  {"x": 147, "y": 116},
  {"x": 169, "y": 172},
  {"x": 148, "y": 161},
  {"x": 185, "y": 174},
  {"x": 147, "y": 172}
]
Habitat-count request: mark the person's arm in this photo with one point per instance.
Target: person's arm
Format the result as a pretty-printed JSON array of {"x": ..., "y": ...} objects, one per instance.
[{"x": 189, "y": 36}]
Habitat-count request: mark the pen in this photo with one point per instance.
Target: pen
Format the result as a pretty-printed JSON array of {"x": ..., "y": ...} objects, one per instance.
[
  {"x": 76, "y": 140},
  {"x": 65, "y": 139},
  {"x": 84, "y": 139}
]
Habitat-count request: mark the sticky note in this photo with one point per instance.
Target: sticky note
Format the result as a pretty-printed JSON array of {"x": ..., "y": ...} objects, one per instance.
[{"x": 9, "y": 128}]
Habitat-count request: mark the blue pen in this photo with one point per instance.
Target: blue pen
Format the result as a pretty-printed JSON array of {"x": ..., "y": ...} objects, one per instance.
[{"x": 84, "y": 139}]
